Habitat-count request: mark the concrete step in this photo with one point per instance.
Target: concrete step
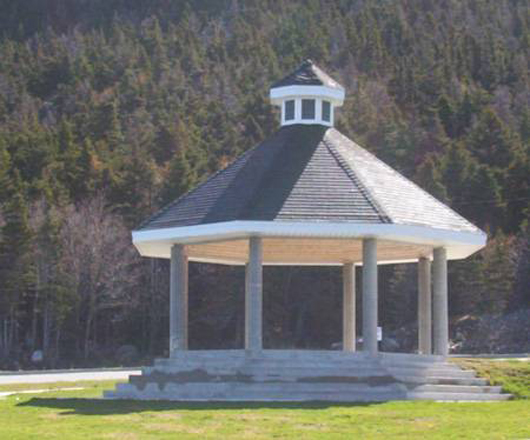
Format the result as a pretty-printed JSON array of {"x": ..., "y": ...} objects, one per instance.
[
  {"x": 270, "y": 354},
  {"x": 411, "y": 357},
  {"x": 337, "y": 383},
  {"x": 280, "y": 386},
  {"x": 267, "y": 362},
  {"x": 434, "y": 372},
  {"x": 441, "y": 380},
  {"x": 340, "y": 377},
  {"x": 422, "y": 365},
  {"x": 458, "y": 396},
  {"x": 266, "y": 367},
  {"x": 259, "y": 398},
  {"x": 303, "y": 392},
  {"x": 483, "y": 389},
  {"x": 291, "y": 371},
  {"x": 252, "y": 392}
]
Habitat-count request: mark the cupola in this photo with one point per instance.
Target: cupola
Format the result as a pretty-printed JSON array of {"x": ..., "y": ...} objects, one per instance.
[{"x": 307, "y": 96}]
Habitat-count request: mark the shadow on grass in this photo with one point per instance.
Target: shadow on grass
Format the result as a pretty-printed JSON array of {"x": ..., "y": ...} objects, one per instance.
[{"x": 97, "y": 407}]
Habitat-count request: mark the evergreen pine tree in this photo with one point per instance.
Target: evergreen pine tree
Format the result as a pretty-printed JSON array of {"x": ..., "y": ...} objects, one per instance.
[
  {"x": 484, "y": 200},
  {"x": 429, "y": 177},
  {"x": 458, "y": 168},
  {"x": 68, "y": 155},
  {"x": 179, "y": 180},
  {"x": 5, "y": 165},
  {"x": 16, "y": 270},
  {"x": 491, "y": 141},
  {"x": 446, "y": 114},
  {"x": 499, "y": 271}
]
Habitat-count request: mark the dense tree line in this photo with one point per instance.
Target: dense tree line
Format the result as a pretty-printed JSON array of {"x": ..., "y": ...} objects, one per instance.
[{"x": 110, "y": 109}]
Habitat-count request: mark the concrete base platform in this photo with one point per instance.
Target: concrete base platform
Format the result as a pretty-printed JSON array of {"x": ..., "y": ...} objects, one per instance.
[{"x": 303, "y": 375}]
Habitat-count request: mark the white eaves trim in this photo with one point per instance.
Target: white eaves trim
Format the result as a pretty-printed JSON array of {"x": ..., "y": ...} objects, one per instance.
[
  {"x": 459, "y": 244},
  {"x": 279, "y": 94}
]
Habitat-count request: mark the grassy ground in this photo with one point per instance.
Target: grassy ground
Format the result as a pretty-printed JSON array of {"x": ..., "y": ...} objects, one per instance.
[
  {"x": 61, "y": 414},
  {"x": 514, "y": 376}
]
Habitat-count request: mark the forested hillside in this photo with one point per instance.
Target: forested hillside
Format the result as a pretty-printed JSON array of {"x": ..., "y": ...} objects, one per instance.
[{"x": 111, "y": 108}]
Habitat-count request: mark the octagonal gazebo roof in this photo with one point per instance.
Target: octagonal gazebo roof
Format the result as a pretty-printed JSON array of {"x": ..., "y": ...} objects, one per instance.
[{"x": 312, "y": 193}]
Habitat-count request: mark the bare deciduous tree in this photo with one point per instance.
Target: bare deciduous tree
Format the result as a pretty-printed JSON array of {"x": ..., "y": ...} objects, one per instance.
[{"x": 99, "y": 260}]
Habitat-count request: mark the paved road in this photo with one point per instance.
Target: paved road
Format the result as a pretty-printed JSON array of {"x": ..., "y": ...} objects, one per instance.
[{"x": 65, "y": 376}]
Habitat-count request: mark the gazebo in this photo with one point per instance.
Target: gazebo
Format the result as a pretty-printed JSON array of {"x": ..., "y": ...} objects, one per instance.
[{"x": 308, "y": 195}]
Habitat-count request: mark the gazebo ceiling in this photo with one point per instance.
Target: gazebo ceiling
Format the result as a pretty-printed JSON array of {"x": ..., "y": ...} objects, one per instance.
[{"x": 305, "y": 251}]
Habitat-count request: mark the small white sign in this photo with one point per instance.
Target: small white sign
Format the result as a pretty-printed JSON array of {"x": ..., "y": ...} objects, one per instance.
[
  {"x": 37, "y": 356},
  {"x": 379, "y": 333}
]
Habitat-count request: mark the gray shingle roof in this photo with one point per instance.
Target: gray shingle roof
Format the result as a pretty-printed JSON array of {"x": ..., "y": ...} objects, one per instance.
[
  {"x": 308, "y": 74},
  {"x": 308, "y": 173}
]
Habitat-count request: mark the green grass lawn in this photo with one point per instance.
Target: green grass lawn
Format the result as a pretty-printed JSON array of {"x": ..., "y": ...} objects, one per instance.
[
  {"x": 514, "y": 376},
  {"x": 61, "y": 414}
]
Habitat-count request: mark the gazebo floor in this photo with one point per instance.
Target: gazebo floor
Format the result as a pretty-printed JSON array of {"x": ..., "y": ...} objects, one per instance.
[{"x": 303, "y": 375}]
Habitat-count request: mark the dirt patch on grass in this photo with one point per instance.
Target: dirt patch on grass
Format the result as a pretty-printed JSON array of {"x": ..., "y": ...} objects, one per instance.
[
  {"x": 249, "y": 417},
  {"x": 122, "y": 436},
  {"x": 165, "y": 427},
  {"x": 312, "y": 426},
  {"x": 51, "y": 416},
  {"x": 261, "y": 417},
  {"x": 167, "y": 416}
]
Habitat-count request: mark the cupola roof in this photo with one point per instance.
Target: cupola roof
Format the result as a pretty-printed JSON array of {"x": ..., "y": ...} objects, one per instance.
[{"x": 308, "y": 74}]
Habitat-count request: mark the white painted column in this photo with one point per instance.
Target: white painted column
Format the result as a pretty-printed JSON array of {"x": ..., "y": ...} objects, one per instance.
[
  {"x": 370, "y": 295},
  {"x": 254, "y": 296},
  {"x": 348, "y": 307},
  {"x": 440, "y": 306},
  {"x": 424, "y": 306},
  {"x": 178, "y": 300}
]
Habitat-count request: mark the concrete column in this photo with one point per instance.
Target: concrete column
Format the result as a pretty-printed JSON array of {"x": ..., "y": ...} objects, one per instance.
[
  {"x": 254, "y": 296},
  {"x": 348, "y": 307},
  {"x": 440, "y": 307},
  {"x": 424, "y": 306},
  {"x": 178, "y": 300},
  {"x": 370, "y": 295}
]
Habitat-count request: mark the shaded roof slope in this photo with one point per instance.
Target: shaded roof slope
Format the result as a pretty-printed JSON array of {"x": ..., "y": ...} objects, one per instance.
[
  {"x": 293, "y": 175},
  {"x": 308, "y": 74},
  {"x": 308, "y": 173}
]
